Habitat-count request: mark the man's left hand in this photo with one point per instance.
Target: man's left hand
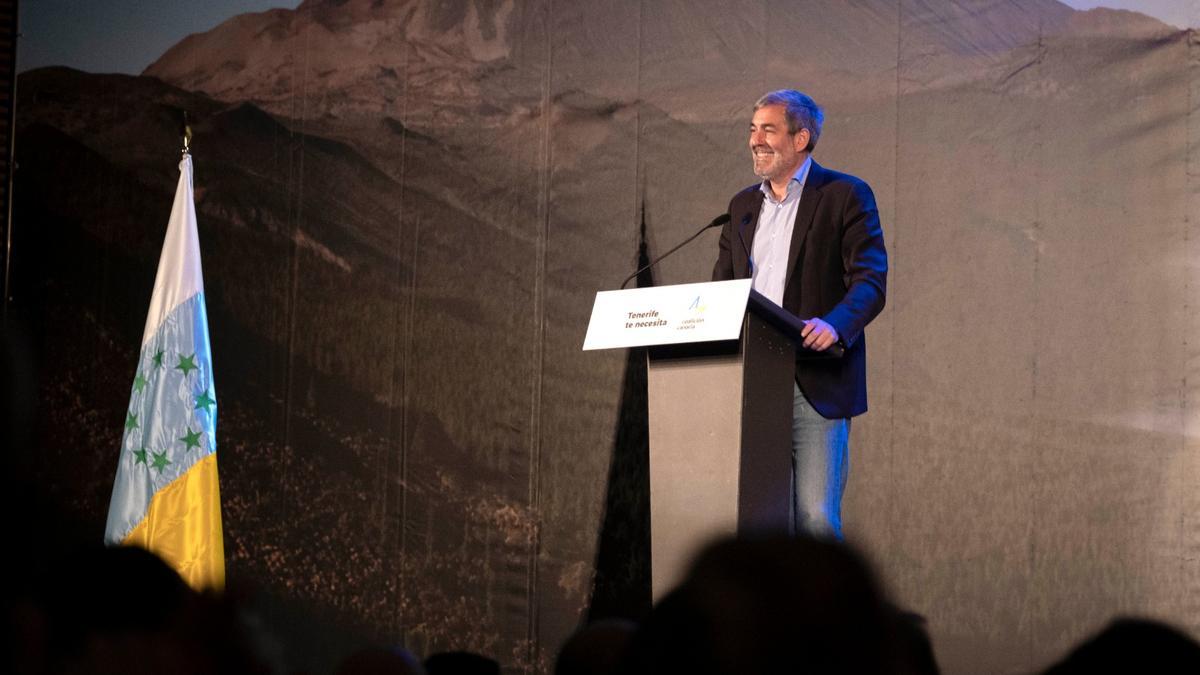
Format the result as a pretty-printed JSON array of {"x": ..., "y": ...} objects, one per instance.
[{"x": 818, "y": 335}]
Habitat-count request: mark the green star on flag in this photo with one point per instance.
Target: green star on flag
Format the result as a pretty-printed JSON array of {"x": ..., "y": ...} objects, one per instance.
[
  {"x": 205, "y": 401},
  {"x": 158, "y": 357},
  {"x": 191, "y": 439},
  {"x": 139, "y": 383},
  {"x": 187, "y": 364},
  {"x": 141, "y": 456},
  {"x": 160, "y": 461},
  {"x": 130, "y": 421}
]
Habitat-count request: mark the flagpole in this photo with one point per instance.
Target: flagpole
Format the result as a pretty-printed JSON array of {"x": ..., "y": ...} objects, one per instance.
[{"x": 6, "y": 287}]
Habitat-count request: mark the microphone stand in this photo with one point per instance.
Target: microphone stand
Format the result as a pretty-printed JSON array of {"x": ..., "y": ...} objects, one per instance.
[{"x": 716, "y": 222}]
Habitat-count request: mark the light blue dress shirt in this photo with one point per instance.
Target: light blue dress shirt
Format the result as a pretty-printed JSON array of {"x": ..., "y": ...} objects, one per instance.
[{"x": 773, "y": 236}]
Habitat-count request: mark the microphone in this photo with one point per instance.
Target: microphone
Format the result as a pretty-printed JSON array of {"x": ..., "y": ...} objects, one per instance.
[
  {"x": 716, "y": 222},
  {"x": 742, "y": 238}
]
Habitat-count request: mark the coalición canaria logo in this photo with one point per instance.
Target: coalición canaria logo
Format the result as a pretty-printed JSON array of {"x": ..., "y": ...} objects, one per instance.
[{"x": 697, "y": 308}]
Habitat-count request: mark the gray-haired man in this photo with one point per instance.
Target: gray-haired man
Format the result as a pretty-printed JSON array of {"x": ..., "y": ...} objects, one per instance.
[{"x": 815, "y": 248}]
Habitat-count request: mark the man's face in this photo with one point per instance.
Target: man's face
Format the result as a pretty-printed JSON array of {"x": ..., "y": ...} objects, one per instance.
[{"x": 777, "y": 154}]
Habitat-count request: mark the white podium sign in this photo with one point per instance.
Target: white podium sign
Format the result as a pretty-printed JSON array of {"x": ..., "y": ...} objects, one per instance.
[{"x": 666, "y": 315}]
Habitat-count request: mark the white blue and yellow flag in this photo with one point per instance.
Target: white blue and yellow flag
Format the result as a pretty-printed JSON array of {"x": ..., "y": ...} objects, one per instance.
[{"x": 165, "y": 497}]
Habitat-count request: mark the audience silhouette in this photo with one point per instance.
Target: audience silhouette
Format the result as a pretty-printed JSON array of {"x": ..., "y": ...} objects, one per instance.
[{"x": 1130, "y": 645}]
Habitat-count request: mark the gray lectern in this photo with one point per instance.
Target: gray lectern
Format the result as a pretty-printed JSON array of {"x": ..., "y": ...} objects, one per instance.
[{"x": 721, "y": 361}]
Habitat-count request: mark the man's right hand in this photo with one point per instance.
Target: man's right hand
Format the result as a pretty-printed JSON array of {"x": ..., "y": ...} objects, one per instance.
[{"x": 818, "y": 335}]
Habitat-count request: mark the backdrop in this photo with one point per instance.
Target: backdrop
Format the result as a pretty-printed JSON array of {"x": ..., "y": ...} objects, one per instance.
[{"x": 406, "y": 207}]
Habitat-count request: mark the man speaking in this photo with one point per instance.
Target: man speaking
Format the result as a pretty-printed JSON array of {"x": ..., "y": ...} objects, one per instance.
[{"x": 811, "y": 241}]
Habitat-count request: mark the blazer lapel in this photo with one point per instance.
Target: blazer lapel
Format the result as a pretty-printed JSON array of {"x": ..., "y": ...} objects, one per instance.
[{"x": 805, "y": 211}]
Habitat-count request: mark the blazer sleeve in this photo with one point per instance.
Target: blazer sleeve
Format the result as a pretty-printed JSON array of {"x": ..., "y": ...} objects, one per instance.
[{"x": 864, "y": 260}]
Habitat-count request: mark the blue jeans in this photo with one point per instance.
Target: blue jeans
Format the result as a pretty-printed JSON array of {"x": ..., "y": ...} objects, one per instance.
[{"x": 820, "y": 461}]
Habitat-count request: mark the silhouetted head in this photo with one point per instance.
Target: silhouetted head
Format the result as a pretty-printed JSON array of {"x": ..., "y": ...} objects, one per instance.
[
  {"x": 596, "y": 649},
  {"x": 461, "y": 663},
  {"x": 124, "y": 610},
  {"x": 1133, "y": 646},
  {"x": 771, "y": 604},
  {"x": 381, "y": 661}
]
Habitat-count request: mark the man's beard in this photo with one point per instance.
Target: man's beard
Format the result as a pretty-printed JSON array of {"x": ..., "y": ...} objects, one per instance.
[{"x": 767, "y": 165}]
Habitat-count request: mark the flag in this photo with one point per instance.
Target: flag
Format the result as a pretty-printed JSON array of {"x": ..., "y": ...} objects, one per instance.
[{"x": 165, "y": 497}]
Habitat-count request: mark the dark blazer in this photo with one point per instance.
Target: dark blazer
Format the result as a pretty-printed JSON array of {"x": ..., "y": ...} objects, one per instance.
[{"x": 837, "y": 270}]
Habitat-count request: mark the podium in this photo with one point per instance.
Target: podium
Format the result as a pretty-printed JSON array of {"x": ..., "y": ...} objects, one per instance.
[{"x": 721, "y": 365}]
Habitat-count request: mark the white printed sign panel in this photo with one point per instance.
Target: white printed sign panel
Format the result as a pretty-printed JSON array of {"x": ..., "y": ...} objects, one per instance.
[{"x": 666, "y": 315}]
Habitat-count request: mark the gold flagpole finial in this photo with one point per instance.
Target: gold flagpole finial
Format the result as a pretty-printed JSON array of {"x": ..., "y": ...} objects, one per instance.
[{"x": 185, "y": 130}]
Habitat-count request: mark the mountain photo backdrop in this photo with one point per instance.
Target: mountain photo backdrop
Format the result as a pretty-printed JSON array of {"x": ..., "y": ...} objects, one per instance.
[{"x": 405, "y": 209}]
